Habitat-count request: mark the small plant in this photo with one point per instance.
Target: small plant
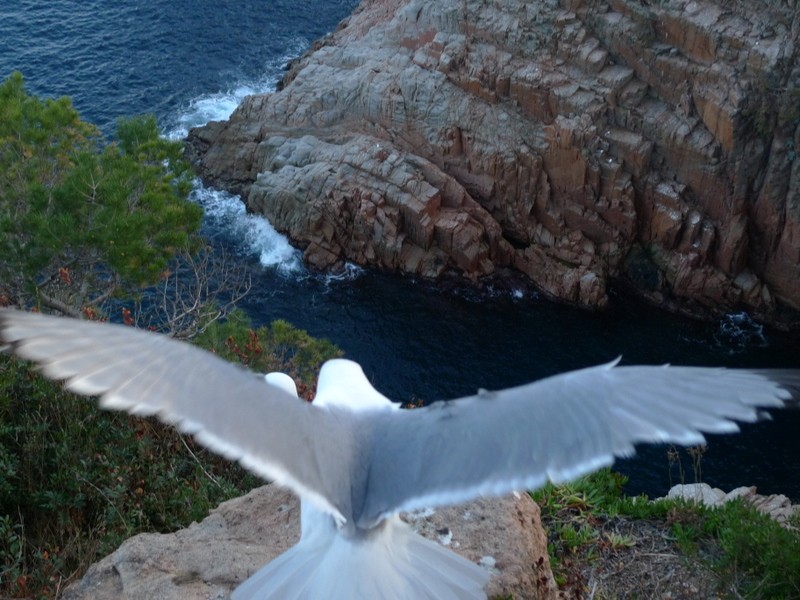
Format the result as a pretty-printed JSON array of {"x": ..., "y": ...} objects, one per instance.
[
  {"x": 574, "y": 536},
  {"x": 745, "y": 548},
  {"x": 755, "y": 550},
  {"x": 696, "y": 453},
  {"x": 575, "y": 512},
  {"x": 617, "y": 540}
]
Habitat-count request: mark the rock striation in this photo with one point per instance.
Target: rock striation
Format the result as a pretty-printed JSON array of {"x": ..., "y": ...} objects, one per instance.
[
  {"x": 579, "y": 142},
  {"x": 208, "y": 560}
]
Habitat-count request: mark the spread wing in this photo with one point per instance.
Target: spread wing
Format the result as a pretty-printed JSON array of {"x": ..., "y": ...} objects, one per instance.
[
  {"x": 553, "y": 430},
  {"x": 228, "y": 409}
]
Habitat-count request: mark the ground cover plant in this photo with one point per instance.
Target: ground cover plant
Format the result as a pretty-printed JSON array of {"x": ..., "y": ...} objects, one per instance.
[{"x": 604, "y": 544}]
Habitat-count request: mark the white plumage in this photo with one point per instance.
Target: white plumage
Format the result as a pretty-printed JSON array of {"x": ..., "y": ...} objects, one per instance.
[{"x": 355, "y": 460}]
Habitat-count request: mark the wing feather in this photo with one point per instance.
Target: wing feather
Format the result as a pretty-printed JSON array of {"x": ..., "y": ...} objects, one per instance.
[
  {"x": 553, "y": 430},
  {"x": 230, "y": 410}
]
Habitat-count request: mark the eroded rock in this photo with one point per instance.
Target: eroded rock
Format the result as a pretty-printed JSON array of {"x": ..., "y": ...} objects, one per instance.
[
  {"x": 579, "y": 142},
  {"x": 209, "y": 559}
]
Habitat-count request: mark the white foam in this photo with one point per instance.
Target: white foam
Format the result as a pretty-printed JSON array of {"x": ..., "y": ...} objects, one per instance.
[
  {"x": 218, "y": 106},
  {"x": 254, "y": 234},
  {"x": 225, "y": 213},
  {"x": 209, "y": 107},
  {"x": 738, "y": 332},
  {"x": 348, "y": 272}
]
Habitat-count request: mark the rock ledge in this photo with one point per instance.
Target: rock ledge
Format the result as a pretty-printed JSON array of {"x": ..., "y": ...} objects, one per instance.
[{"x": 208, "y": 560}]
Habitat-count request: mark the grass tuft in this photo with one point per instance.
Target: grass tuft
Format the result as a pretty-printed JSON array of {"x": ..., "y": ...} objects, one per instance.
[{"x": 749, "y": 553}]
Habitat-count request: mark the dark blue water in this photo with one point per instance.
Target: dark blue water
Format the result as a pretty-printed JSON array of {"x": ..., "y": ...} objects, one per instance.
[
  {"x": 189, "y": 61},
  {"x": 124, "y": 57}
]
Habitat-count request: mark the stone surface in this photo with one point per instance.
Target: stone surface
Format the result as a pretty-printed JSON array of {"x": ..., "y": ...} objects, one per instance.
[
  {"x": 777, "y": 506},
  {"x": 580, "y": 142},
  {"x": 207, "y": 560},
  {"x": 698, "y": 492},
  {"x": 504, "y": 535}
]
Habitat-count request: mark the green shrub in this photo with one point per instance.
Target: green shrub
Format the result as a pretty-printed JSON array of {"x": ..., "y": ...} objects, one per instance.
[
  {"x": 76, "y": 481},
  {"x": 83, "y": 218},
  {"x": 279, "y": 346},
  {"x": 755, "y": 549}
]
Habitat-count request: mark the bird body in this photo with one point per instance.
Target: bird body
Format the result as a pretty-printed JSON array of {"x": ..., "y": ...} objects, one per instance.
[
  {"x": 356, "y": 461},
  {"x": 388, "y": 562},
  {"x": 333, "y": 560}
]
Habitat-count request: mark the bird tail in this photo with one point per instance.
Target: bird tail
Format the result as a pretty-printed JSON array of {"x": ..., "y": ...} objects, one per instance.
[{"x": 389, "y": 563}]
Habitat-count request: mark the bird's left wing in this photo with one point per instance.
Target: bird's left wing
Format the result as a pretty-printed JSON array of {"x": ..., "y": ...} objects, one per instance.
[
  {"x": 228, "y": 409},
  {"x": 553, "y": 430}
]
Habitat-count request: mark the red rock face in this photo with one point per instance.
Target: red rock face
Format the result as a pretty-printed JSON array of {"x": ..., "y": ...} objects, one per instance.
[{"x": 579, "y": 142}]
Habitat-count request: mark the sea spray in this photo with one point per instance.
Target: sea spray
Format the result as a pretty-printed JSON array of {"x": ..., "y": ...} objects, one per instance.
[{"x": 247, "y": 234}]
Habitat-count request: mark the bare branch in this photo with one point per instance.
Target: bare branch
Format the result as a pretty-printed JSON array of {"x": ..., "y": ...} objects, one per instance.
[
  {"x": 58, "y": 305},
  {"x": 200, "y": 289}
]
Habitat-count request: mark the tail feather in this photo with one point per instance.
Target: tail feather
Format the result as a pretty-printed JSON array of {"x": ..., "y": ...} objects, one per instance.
[
  {"x": 446, "y": 574},
  {"x": 392, "y": 563},
  {"x": 284, "y": 577}
]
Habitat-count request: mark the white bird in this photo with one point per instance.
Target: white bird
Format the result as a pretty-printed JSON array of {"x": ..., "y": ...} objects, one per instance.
[{"x": 356, "y": 461}]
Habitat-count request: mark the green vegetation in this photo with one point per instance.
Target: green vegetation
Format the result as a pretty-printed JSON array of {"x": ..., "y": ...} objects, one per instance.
[
  {"x": 742, "y": 546},
  {"x": 86, "y": 225},
  {"x": 754, "y": 549},
  {"x": 279, "y": 346},
  {"x": 76, "y": 481},
  {"x": 83, "y": 220}
]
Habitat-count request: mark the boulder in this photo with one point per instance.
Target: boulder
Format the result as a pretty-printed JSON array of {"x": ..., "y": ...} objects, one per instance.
[
  {"x": 580, "y": 142},
  {"x": 700, "y": 493},
  {"x": 209, "y": 559}
]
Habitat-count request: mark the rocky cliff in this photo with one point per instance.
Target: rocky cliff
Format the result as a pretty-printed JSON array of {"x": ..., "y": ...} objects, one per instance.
[
  {"x": 209, "y": 559},
  {"x": 580, "y": 142}
]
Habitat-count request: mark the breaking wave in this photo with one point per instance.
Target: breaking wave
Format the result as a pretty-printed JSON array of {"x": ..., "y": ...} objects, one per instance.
[
  {"x": 225, "y": 213},
  {"x": 249, "y": 234}
]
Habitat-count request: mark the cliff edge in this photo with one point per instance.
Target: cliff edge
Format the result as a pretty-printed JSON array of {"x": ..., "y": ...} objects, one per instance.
[{"x": 580, "y": 142}]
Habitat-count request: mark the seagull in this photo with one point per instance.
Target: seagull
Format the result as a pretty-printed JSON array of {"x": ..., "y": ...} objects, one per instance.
[{"x": 356, "y": 459}]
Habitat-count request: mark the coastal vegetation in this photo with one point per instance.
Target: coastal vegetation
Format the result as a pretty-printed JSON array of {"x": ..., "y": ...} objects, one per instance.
[
  {"x": 76, "y": 481},
  {"x": 101, "y": 229},
  {"x": 90, "y": 226},
  {"x": 622, "y": 546},
  {"x": 83, "y": 219}
]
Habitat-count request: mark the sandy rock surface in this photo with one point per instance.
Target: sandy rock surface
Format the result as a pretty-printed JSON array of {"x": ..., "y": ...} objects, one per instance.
[{"x": 209, "y": 559}]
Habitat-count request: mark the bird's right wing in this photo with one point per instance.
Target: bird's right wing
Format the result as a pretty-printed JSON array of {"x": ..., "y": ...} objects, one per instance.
[
  {"x": 553, "y": 430},
  {"x": 228, "y": 409}
]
